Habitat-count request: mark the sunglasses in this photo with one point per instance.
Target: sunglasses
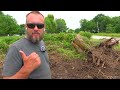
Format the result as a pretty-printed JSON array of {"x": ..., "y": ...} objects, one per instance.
[{"x": 32, "y": 25}]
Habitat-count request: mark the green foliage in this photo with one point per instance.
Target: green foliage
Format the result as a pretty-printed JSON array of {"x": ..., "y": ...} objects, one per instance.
[
  {"x": 110, "y": 28},
  {"x": 10, "y": 39},
  {"x": 94, "y": 42},
  {"x": 55, "y": 25},
  {"x": 1, "y": 13},
  {"x": 70, "y": 31},
  {"x": 77, "y": 30},
  {"x": 6, "y": 41},
  {"x": 61, "y": 25},
  {"x": 108, "y": 34},
  {"x": 86, "y": 34},
  {"x": 70, "y": 54},
  {"x": 117, "y": 47},
  {"x": 50, "y": 23},
  {"x": 22, "y": 29},
  {"x": 102, "y": 21},
  {"x": 50, "y": 37},
  {"x": 59, "y": 37},
  {"x": 8, "y": 25},
  {"x": 66, "y": 36},
  {"x": 88, "y": 26},
  {"x": 101, "y": 24},
  {"x": 3, "y": 47},
  {"x": 59, "y": 43}
]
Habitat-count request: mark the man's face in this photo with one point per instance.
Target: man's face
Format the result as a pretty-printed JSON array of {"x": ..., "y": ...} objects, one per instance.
[{"x": 35, "y": 27}]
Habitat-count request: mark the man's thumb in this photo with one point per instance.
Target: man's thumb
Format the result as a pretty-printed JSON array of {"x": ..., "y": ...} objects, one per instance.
[{"x": 23, "y": 54}]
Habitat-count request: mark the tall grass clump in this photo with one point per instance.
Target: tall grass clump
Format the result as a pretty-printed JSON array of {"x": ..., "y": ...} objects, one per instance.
[
  {"x": 61, "y": 43},
  {"x": 6, "y": 41},
  {"x": 71, "y": 54},
  {"x": 85, "y": 34},
  {"x": 3, "y": 47},
  {"x": 117, "y": 47},
  {"x": 59, "y": 37}
]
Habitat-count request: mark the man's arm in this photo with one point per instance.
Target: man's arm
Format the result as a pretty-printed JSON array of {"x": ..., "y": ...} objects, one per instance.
[
  {"x": 31, "y": 62},
  {"x": 23, "y": 73}
]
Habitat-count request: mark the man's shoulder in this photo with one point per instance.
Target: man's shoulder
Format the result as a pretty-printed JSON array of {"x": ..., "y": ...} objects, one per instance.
[{"x": 19, "y": 42}]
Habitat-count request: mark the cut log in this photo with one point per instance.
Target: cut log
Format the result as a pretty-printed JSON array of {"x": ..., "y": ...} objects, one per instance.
[{"x": 79, "y": 44}]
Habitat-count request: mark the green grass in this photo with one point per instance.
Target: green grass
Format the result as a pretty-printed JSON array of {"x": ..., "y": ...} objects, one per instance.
[
  {"x": 117, "y": 47},
  {"x": 60, "y": 43},
  {"x": 6, "y": 41},
  {"x": 85, "y": 34},
  {"x": 108, "y": 34},
  {"x": 2, "y": 55}
]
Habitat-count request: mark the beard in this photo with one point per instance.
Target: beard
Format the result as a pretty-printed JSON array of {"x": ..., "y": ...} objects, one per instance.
[{"x": 33, "y": 38}]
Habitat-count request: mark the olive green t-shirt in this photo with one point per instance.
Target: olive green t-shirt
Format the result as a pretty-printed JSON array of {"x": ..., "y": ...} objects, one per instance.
[{"x": 14, "y": 62}]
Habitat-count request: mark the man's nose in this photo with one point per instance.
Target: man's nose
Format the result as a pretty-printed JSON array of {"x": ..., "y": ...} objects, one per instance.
[{"x": 36, "y": 28}]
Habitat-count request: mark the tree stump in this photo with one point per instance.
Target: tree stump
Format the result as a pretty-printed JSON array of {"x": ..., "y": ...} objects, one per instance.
[
  {"x": 79, "y": 44},
  {"x": 100, "y": 55}
]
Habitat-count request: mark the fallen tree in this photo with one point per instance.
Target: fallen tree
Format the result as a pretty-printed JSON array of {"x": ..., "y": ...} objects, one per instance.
[{"x": 101, "y": 55}]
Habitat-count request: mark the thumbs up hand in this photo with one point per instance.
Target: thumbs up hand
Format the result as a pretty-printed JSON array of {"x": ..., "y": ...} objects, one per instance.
[{"x": 31, "y": 62}]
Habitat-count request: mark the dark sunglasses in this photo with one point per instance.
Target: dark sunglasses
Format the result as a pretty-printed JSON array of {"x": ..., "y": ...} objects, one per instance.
[{"x": 32, "y": 25}]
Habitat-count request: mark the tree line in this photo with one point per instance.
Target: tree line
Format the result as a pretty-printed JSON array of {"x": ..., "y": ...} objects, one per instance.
[{"x": 100, "y": 23}]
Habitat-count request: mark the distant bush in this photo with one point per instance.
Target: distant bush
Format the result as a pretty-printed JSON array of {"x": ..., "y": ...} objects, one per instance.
[
  {"x": 3, "y": 47},
  {"x": 59, "y": 37},
  {"x": 6, "y": 41},
  {"x": 86, "y": 34}
]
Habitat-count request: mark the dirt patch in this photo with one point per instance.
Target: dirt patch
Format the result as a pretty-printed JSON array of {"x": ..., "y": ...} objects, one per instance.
[
  {"x": 103, "y": 62},
  {"x": 78, "y": 69}
]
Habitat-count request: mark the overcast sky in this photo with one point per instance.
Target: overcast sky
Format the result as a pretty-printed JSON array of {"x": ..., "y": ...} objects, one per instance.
[{"x": 72, "y": 18}]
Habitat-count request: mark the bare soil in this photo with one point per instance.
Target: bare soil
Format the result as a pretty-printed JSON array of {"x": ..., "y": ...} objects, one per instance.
[{"x": 78, "y": 69}]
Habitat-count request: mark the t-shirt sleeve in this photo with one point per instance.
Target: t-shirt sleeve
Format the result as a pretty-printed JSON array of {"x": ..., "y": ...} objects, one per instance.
[{"x": 13, "y": 62}]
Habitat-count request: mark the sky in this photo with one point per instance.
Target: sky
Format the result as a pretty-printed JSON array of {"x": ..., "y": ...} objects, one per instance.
[{"x": 71, "y": 18}]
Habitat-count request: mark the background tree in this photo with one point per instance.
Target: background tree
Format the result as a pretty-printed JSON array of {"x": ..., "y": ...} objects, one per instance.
[
  {"x": 116, "y": 24},
  {"x": 77, "y": 30},
  {"x": 1, "y": 13},
  {"x": 61, "y": 25},
  {"x": 70, "y": 31},
  {"x": 22, "y": 29},
  {"x": 50, "y": 23},
  {"x": 87, "y": 25},
  {"x": 8, "y": 25},
  {"x": 110, "y": 28},
  {"x": 83, "y": 24},
  {"x": 101, "y": 22}
]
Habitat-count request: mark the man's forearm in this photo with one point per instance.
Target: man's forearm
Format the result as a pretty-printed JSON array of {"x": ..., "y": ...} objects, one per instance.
[{"x": 23, "y": 73}]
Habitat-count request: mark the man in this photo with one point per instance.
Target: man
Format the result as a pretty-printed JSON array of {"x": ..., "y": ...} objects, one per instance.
[{"x": 27, "y": 58}]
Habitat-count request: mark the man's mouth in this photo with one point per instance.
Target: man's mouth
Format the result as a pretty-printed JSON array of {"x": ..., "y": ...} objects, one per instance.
[{"x": 35, "y": 33}]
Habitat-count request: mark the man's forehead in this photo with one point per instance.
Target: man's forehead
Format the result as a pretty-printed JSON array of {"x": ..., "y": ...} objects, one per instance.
[
  {"x": 35, "y": 18},
  {"x": 35, "y": 15}
]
